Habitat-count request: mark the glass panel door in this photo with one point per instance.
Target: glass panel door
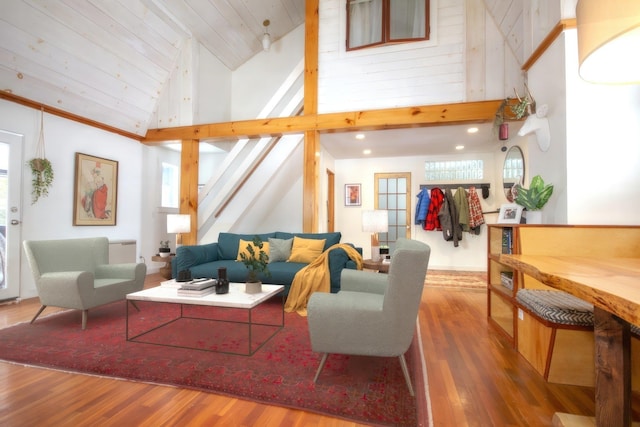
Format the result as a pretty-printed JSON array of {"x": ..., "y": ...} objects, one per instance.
[{"x": 392, "y": 193}]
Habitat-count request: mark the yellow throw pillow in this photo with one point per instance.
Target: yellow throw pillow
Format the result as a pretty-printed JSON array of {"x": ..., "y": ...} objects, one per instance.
[
  {"x": 306, "y": 250},
  {"x": 242, "y": 248}
]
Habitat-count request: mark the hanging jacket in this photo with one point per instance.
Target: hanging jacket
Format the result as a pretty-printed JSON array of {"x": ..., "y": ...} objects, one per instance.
[
  {"x": 462, "y": 205},
  {"x": 422, "y": 207},
  {"x": 448, "y": 215},
  {"x": 476, "y": 219},
  {"x": 433, "y": 222}
]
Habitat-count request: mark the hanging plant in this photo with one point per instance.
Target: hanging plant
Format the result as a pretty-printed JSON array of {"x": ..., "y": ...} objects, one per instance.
[{"x": 41, "y": 169}]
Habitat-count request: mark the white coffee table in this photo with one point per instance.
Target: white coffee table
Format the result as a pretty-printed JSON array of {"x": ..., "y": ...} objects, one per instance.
[{"x": 139, "y": 328}]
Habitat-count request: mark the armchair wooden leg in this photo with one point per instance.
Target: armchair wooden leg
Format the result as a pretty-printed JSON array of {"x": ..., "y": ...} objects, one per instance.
[
  {"x": 85, "y": 314},
  {"x": 405, "y": 371},
  {"x": 38, "y": 313},
  {"x": 322, "y": 362}
]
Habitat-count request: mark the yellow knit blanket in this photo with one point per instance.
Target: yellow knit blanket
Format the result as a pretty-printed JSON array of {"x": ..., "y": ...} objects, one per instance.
[{"x": 315, "y": 277}]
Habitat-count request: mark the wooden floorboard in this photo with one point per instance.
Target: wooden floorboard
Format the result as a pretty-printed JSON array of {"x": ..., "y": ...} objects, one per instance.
[{"x": 475, "y": 379}]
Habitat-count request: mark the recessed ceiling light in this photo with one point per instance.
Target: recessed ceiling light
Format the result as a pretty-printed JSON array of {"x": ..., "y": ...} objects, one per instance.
[
  {"x": 472, "y": 130},
  {"x": 360, "y": 136},
  {"x": 459, "y": 147},
  {"x": 366, "y": 152}
]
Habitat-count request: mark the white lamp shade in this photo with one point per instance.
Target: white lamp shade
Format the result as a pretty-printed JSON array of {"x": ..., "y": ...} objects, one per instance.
[
  {"x": 178, "y": 223},
  {"x": 609, "y": 40},
  {"x": 376, "y": 221}
]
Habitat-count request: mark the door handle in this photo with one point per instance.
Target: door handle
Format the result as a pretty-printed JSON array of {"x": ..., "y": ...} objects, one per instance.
[{"x": 15, "y": 222}]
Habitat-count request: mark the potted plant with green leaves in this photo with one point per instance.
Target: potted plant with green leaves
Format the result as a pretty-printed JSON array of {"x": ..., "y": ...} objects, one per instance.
[
  {"x": 41, "y": 177},
  {"x": 255, "y": 259},
  {"x": 534, "y": 198}
]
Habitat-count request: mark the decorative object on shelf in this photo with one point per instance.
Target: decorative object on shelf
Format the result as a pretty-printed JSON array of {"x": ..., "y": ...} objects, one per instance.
[
  {"x": 178, "y": 224},
  {"x": 539, "y": 124},
  {"x": 96, "y": 191},
  {"x": 164, "y": 249},
  {"x": 222, "y": 283},
  {"x": 266, "y": 38},
  {"x": 606, "y": 32},
  {"x": 510, "y": 213},
  {"x": 536, "y": 196},
  {"x": 41, "y": 169},
  {"x": 376, "y": 221},
  {"x": 352, "y": 194},
  {"x": 256, "y": 260}
]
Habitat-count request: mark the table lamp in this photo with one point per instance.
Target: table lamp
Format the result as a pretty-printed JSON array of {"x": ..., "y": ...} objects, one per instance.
[
  {"x": 178, "y": 223},
  {"x": 375, "y": 222}
]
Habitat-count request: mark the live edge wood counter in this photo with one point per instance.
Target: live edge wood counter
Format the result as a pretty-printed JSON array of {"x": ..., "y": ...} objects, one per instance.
[{"x": 612, "y": 285}]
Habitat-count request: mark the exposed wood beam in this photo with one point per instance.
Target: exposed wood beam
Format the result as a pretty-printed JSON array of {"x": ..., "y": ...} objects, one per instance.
[
  {"x": 311, "y": 166},
  {"x": 69, "y": 116},
  {"x": 563, "y": 25},
  {"x": 390, "y": 118},
  {"x": 189, "y": 161}
]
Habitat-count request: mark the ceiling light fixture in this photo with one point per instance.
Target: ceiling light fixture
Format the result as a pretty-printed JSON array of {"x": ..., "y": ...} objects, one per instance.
[
  {"x": 360, "y": 136},
  {"x": 459, "y": 147},
  {"x": 366, "y": 151},
  {"x": 472, "y": 130},
  {"x": 608, "y": 33},
  {"x": 266, "y": 38}
]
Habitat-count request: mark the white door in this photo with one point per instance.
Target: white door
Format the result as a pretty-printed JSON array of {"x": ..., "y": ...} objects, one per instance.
[{"x": 10, "y": 212}]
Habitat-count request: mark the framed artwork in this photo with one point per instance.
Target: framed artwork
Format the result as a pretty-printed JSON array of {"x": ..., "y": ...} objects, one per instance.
[
  {"x": 352, "y": 195},
  {"x": 510, "y": 213},
  {"x": 96, "y": 191}
]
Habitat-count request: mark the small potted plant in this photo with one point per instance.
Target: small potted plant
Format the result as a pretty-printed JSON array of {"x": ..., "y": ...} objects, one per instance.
[
  {"x": 42, "y": 177},
  {"x": 255, "y": 262},
  {"x": 164, "y": 250},
  {"x": 534, "y": 198}
]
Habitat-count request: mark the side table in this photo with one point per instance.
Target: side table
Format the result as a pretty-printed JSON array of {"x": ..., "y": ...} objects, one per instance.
[
  {"x": 379, "y": 266},
  {"x": 166, "y": 270}
]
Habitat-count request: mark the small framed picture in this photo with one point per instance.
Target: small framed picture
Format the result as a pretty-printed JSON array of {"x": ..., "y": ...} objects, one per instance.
[
  {"x": 510, "y": 213},
  {"x": 352, "y": 195}
]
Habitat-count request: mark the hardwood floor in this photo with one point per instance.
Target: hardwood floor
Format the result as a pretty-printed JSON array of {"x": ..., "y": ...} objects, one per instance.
[{"x": 475, "y": 379}]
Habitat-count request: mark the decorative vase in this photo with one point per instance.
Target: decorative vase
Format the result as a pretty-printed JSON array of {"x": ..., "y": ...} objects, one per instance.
[
  {"x": 534, "y": 217},
  {"x": 503, "y": 133},
  {"x": 253, "y": 287},
  {"x": 222, "y": 283}
]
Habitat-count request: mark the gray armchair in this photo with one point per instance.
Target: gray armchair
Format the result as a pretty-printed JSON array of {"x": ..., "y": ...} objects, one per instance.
[
  {"x": 373, "y": 314},
  {"x": 76, "y": 274}
]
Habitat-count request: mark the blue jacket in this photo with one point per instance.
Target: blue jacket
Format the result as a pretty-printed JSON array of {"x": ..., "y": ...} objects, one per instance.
[{"x": 422, "y": 207}]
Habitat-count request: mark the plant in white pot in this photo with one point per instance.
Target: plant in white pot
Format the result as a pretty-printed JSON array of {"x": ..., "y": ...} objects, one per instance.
[
  {"x": 534, "y": 198},
  {"x": 256, "y": 260}
]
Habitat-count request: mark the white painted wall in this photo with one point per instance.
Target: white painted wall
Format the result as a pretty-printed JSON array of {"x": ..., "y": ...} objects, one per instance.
[{"x": 52, "y": 217}]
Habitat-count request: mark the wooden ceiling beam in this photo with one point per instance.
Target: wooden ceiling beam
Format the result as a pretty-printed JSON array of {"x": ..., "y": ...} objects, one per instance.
[{"x": 390, "y": 118}]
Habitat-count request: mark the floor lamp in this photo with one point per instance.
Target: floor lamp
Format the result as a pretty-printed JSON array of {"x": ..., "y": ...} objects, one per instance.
[
  {"x": 375, "y": 222},
  {"x": 178, "y": 223}
]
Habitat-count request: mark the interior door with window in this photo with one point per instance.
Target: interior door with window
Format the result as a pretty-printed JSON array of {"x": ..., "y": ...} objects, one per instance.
[
  {"x": 10, "y": 211},
  {"x": 392, "y": 192}
]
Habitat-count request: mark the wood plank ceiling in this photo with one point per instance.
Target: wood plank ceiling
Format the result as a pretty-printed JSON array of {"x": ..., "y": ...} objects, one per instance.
[{"x": 108, "y": 61}]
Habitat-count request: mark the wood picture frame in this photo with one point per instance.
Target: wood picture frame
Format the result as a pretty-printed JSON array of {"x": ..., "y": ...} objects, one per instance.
[
  {"x": 95, "y": 192},
  {"x": 510, "y": 213},
  {"x": 352, "y": 194}
]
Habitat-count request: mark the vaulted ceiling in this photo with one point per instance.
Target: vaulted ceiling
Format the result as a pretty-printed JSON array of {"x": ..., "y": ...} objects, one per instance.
[{"x": 108, "y": 61}]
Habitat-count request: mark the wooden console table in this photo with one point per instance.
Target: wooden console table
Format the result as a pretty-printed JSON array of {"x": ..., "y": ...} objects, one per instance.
[{"x": 612, "y": 285}]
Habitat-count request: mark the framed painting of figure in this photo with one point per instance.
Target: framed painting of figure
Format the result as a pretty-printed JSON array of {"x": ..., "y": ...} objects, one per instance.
[{"x": 96, "y": 191}]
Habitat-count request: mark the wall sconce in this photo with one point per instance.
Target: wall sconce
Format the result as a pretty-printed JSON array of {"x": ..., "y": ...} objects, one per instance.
[
  {"x": 608, "y": 40},
  {"x": 266, "y": 38},
  {"x": 178, "y": 224},
  {"x": 375, "y": 222}
]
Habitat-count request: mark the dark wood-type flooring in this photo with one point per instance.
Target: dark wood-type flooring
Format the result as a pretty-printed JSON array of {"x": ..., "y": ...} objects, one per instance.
[{"x": 475, "y": 379}]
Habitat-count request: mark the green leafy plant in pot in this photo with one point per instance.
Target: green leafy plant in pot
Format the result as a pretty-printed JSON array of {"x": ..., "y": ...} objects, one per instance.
[
  {"x": 256, "y": 262},
  {"x": 536, "y": 196},
  {"x": 41, "y": 178}
]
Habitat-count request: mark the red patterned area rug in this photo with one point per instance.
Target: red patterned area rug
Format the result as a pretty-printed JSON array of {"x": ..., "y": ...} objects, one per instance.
[
  {"x": 456, "y": 279},
  {"x": 368, "y": 390}
]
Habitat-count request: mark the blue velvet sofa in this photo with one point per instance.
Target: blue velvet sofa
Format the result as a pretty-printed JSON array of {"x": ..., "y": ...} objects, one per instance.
[{"x": 204, "y": 260}]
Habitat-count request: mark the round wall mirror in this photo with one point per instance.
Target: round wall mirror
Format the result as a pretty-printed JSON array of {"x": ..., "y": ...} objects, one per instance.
[{"x": 513, "y": 170}]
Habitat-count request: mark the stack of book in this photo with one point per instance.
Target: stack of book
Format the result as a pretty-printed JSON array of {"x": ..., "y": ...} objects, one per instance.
[{"x": 197, "y": 288}]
